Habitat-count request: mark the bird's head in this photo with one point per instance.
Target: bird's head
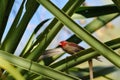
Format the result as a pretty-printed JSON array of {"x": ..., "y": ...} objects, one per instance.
[{"x": 63, "y": 43}]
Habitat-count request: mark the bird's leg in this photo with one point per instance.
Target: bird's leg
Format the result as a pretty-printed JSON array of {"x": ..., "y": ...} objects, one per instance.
[{"x": 90, "y": 69}]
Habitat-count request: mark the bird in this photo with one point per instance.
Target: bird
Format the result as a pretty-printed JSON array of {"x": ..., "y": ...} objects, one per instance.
[{"x": 72, "y": 48}]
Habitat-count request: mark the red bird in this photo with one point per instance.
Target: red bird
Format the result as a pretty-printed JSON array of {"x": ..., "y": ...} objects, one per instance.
[{"x": 70, "y": 47}]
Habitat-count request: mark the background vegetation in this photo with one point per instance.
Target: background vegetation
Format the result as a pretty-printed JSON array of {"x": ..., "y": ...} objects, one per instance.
[{"x": 21, "y": 45}]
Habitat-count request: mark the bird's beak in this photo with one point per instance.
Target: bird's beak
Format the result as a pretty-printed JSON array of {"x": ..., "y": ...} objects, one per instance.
[{"x": 60, "y": 44}]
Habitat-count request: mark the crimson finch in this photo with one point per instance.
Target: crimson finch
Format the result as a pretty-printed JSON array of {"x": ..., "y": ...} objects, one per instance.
[{"x": 70, "y": 47}]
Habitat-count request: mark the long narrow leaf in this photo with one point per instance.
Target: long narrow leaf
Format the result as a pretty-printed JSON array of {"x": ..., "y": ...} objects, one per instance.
[
  {"x": 117, "y": 3},
  {"x": 95, "y": 11},
  {"x": 101, "y": 72},
  {"x": 15, "y": 22},
  {"x": 98, "y": 71},
  {"x": 95, "y": 25},
  {"x": 30, "y": 41},
  {"x": 36, "y": 68},
  {"x": 13, "y": 71},
  {"x": 15, "y": 37},
  {"x": 5, "y": 8}
]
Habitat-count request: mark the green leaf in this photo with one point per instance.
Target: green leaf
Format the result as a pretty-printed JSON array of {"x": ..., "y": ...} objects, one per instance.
[
  {"x": 15, "y": 22},
  {"x": 30, "y": 42},
  {"x": 98, "y": 71},
  {"x": 5, "y": 8},
  {"x": 11, "y": 69},
  {"x": 16, "y": 36},
  {"x": 117, "y": 3},
  {"x": 96, "y": 24},
  {"x": 35, "y": 67},
  {"x": 95, "y": 11}
]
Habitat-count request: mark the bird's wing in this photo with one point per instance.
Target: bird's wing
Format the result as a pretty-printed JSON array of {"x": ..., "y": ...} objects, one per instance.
[
  {"x": 51, "y": 52},
  {"x": 76, "y": 45}
]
